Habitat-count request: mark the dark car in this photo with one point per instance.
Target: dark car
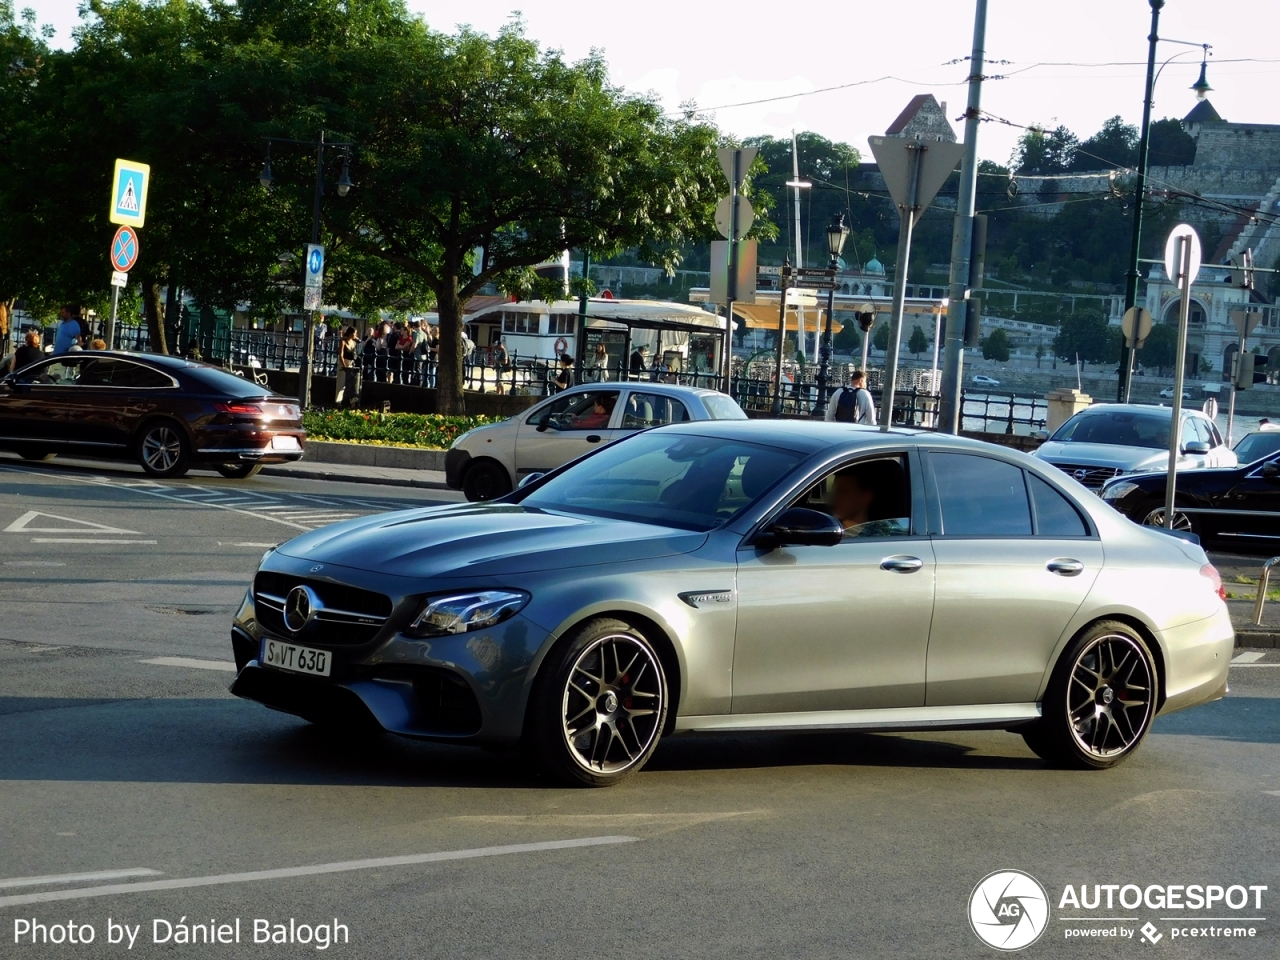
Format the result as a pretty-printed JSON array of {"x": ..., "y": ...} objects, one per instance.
[
  {"x": 1257, "y": 445},
  {"x": 166, "y": 413},
  {"x": 1234, "y": 507}
]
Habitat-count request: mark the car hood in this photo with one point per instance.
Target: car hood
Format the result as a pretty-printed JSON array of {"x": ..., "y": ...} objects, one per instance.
[
  {"x": 486, "y": 539},
  {"x": 1128, "y": 459}
]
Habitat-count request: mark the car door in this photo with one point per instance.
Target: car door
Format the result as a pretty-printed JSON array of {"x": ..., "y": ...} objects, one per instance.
[
  {"x": 91, "y": 409},
  {"x": 1220, "y": 455},
  {"x": 39, "y": 406},
  {"x": 564, "y": 429},
  {"x": 642, "y": 409},
  {"x": 1250, "y": 510},
  {"x": 839, "y": 627},
  {"x": 1015, "y": 559}
]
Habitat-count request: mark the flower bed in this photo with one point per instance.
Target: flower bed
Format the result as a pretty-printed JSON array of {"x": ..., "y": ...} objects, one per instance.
[{"x": 432, "y": 430}]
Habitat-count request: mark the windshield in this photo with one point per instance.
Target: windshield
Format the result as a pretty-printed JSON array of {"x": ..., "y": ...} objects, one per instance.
[
  {"x": 672, "y": 479},
  {"x": 1124, "y": 428},
  {"x": 1255, "y": 446},
  {"x": 721, "y": 407}
]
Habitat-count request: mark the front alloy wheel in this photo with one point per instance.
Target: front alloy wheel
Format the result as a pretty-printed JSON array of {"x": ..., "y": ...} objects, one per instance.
[
  {"x": 1100, "y": 702},
  {"x": 1154, "y": 517},
  {"x": 162, "y": 450},
  {"x": 600, "y": 712}
]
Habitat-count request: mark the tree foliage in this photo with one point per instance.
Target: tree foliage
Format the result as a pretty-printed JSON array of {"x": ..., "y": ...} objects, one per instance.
[
  {"x": 917, "y": 343},
  {"x": 1160, "y": 349},
  {"x": 995, "y": 346},
  {"x": 880, "y": 339},
  {"x": 1087, "y": 335}
]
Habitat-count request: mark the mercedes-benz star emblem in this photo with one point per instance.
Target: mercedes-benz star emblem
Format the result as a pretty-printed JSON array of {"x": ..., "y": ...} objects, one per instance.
[{"x": 300, "y": 608}]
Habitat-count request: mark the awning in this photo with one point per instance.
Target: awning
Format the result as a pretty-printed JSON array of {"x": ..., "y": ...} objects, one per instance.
[{"x": 764, "y": 316}]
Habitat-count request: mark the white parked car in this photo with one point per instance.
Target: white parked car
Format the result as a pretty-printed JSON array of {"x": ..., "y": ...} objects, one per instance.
[
  {"x": 984, "y": 381},
  {"x": 490, "y": 461},
  {"x": 1167, "y": 393},
  {"x": 1109, "y": 439}
]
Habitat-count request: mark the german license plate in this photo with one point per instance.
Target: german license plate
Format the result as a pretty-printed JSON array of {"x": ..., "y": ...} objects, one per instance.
[
  {"x": 288, "y": 656},
  {"x": 284, "y": 443}
]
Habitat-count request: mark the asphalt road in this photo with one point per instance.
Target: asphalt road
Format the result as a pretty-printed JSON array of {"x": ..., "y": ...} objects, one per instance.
[{"x": 121, "y": 753}]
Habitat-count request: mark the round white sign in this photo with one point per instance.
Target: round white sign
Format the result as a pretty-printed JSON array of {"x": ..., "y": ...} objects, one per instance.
[{"x": 1173, "y": 254}]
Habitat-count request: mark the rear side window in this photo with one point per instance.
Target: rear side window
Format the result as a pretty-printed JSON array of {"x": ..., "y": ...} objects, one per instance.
[
  {"x": 1055, "y": 515},
  {"x": 720, "y": 407},
  {"x": 226, "y": 384},
  {"x": 652, "y": 410},
  {"x": 980, "y": 497}
]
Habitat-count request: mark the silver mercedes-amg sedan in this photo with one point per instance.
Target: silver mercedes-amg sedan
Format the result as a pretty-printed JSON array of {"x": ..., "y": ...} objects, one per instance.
[{"x": 735, "y": 575}]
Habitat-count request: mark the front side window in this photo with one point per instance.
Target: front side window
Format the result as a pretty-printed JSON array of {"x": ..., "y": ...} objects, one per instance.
[
  {"x": 980, "y": 497},
  {"x": 870, "y": 498},
  {"x": 589, "y": 410},
  {"x": 63, "y": 372},
  {"x": 652, "y": 410},
  {"x": 668, "y": 478}
]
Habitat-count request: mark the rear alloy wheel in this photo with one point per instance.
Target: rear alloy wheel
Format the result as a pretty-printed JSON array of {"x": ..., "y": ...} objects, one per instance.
[
  {"x": 1153, "y": 516},
  {"x": 163, "y": 450},
  {"x": 486, "y": 480},
  {"x": 1101, "y": 700},
  {"x": 599, "y": 710},
  {"x": 239, "y": 471}
]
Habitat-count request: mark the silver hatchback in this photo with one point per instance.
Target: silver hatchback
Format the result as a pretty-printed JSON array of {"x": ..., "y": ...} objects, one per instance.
[{"x": 745, "y": 575}]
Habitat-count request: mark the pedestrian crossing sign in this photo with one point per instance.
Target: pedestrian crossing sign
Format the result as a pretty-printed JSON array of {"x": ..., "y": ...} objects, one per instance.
[{"x": 129, "y": 193}]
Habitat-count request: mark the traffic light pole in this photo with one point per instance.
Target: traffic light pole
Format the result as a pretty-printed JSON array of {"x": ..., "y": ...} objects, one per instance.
[{"x": 962, "y": 236}]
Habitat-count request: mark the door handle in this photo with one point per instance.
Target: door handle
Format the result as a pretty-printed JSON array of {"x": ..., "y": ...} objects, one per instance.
[
  {"x": 593, "y": 438},
  {"x": 1065, "y": 567},
  {"x": 901, "y": 564}
]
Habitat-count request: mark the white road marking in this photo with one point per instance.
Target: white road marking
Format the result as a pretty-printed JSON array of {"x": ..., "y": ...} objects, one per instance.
[
  {"x": 227, "y": 665},
  {"x": 1272, "y": 793},
  {"x": 23, "y": 525},
  {"x": 84, "y": 540},
  {"x": 261, "y": 545},
  {"x": 33, "y": 563},
  {"x": 343, "y": 866},
  {"x": 1253, "y": 656},
  {"x": 1247, "y": 665},
  {"x": 80, "y": 877},
  {"x": 39, "y": 649}
]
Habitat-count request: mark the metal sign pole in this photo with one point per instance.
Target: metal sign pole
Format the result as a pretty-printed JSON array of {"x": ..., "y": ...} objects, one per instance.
[
  {"x": 1175, "y": 426},
  {"x": 782, "y": 335},
  {"x": 905, "y": 228},
  {"x": 111, "y": 321}
]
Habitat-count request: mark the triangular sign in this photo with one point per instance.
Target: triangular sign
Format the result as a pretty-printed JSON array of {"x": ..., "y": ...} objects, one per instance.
[
  {"x": 937, "y": 159},
  {"x": 23, "y": 525}
]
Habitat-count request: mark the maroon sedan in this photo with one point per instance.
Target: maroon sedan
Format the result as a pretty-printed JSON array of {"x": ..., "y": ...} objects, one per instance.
[{"x": 166, "y": 413}]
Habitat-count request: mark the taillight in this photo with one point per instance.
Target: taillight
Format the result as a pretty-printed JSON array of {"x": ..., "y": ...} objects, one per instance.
[
  {"x": 1210, "y": 572},
  {"x": 240, "y": 409}
]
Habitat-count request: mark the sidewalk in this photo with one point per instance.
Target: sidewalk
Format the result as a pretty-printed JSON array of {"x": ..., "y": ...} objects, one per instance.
[{"x": 354, "y": 473}]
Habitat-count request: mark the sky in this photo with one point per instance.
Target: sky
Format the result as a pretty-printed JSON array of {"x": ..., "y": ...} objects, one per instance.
[{"x": 1075, "y": 63}]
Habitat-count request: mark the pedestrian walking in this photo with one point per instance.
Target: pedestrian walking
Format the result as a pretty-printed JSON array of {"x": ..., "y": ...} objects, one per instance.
[
  {"x": 4, "y": 331},
  {"x": 68, "y": 332},
  {"x": 564, "y": 377},
  {"x": 502, "y": 362},
  {"x": 347, "y": 369},
  {"x": 852, "y": 404}
]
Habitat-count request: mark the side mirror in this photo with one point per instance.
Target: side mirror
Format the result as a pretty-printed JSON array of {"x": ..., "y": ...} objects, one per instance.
[
  {"x": 1271, "y": 469},
  {"x": 802, "y": 528},
  {"x": 529, "y": 478},
  {"x": 1195, "y": 446},
  {"x": 1041, "y": 434}
]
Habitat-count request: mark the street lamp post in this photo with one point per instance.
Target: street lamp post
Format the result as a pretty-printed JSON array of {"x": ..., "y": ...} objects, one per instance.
[
  {"x": 1201, "y": 87},
  {"x": 837, "y": 233},
  {"x": 343, "y": 187}
]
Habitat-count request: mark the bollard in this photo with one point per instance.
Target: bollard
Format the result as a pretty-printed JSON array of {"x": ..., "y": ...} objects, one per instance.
[{"x": 1262, "y": 590}]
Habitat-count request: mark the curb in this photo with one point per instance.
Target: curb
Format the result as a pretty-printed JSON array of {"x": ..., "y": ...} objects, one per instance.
[
  {"x": 1258, "y": 637},
  {"x": 374, "y": 455},
  {"x": 284, "y": 470}
]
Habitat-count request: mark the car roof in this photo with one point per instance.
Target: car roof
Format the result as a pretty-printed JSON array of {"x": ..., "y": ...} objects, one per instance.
[
  {"x": 810, "y": 436},
  {"x": 674, "y": 389}
]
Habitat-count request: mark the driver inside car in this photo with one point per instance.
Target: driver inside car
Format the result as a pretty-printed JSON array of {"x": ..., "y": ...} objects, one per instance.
[{"x": 869, "y": 499}]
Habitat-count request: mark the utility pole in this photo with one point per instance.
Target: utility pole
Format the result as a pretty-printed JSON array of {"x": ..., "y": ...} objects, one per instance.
[
  {"x": 962, "y": 236},
  {"x": 1139, "y": 190}
]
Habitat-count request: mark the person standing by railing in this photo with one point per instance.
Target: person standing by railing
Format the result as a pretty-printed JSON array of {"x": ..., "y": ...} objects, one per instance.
[
  {"x": 433, "y": 354},
  {"x": 346, "y": 366}
]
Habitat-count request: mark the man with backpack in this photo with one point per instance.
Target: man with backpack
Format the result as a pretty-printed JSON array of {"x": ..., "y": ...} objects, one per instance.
[{"x": 852, "y": 404}]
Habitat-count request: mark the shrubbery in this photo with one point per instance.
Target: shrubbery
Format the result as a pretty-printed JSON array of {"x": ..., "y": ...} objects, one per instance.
[{"x": 402, "y": 429}]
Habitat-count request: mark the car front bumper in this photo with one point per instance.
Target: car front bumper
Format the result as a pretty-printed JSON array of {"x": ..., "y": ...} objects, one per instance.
[{"x": 470, "y": 687}]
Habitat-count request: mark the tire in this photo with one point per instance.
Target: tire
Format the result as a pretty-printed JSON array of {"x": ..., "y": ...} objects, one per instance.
[
  {"x": 163, "y": 450},
  {"x": 1151, "y": 514},
  {"x": 599, "y": 705},
  {"x": 485, "y": 480},
  {"x": 1106, "y": 665},
  {"x": 35, "y": 454},
  {"x": 239, "y": 471}
]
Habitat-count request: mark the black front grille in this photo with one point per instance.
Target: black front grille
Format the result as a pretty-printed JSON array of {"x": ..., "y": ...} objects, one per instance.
[
  {"x": 1092, "y": 477},
  {"x": 350, "y": 616}
]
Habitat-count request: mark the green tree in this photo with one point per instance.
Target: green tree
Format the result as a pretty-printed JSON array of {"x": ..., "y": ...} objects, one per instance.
[
  {"x": 995, "y": 346},
  {"x": 880, "y": 339},
  {"x": 1160, "y": 348},
  {"x": 482, "y": 155},
  {"x": 1084, "y": 334},
  {"x": 918, "y": 343},
  {"x": 1170, "y": 144},
  {"x": 848, "y": 339},
  {"x": 1115, "y": 145},
  {"x": 1044, "y": 153}
]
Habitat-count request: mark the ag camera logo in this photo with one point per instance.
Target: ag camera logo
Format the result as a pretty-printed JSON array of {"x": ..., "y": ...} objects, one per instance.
[{"x": 1009, "y": 910}]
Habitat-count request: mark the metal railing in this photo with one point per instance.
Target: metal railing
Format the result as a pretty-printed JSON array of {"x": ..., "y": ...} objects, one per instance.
[{"x": 1261, "y": 599}]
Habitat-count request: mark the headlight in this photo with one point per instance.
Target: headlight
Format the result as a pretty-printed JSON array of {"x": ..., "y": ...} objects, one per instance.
[
  {"x": 1118, "y": 491},
  {"x": 460, "y": 612}
]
